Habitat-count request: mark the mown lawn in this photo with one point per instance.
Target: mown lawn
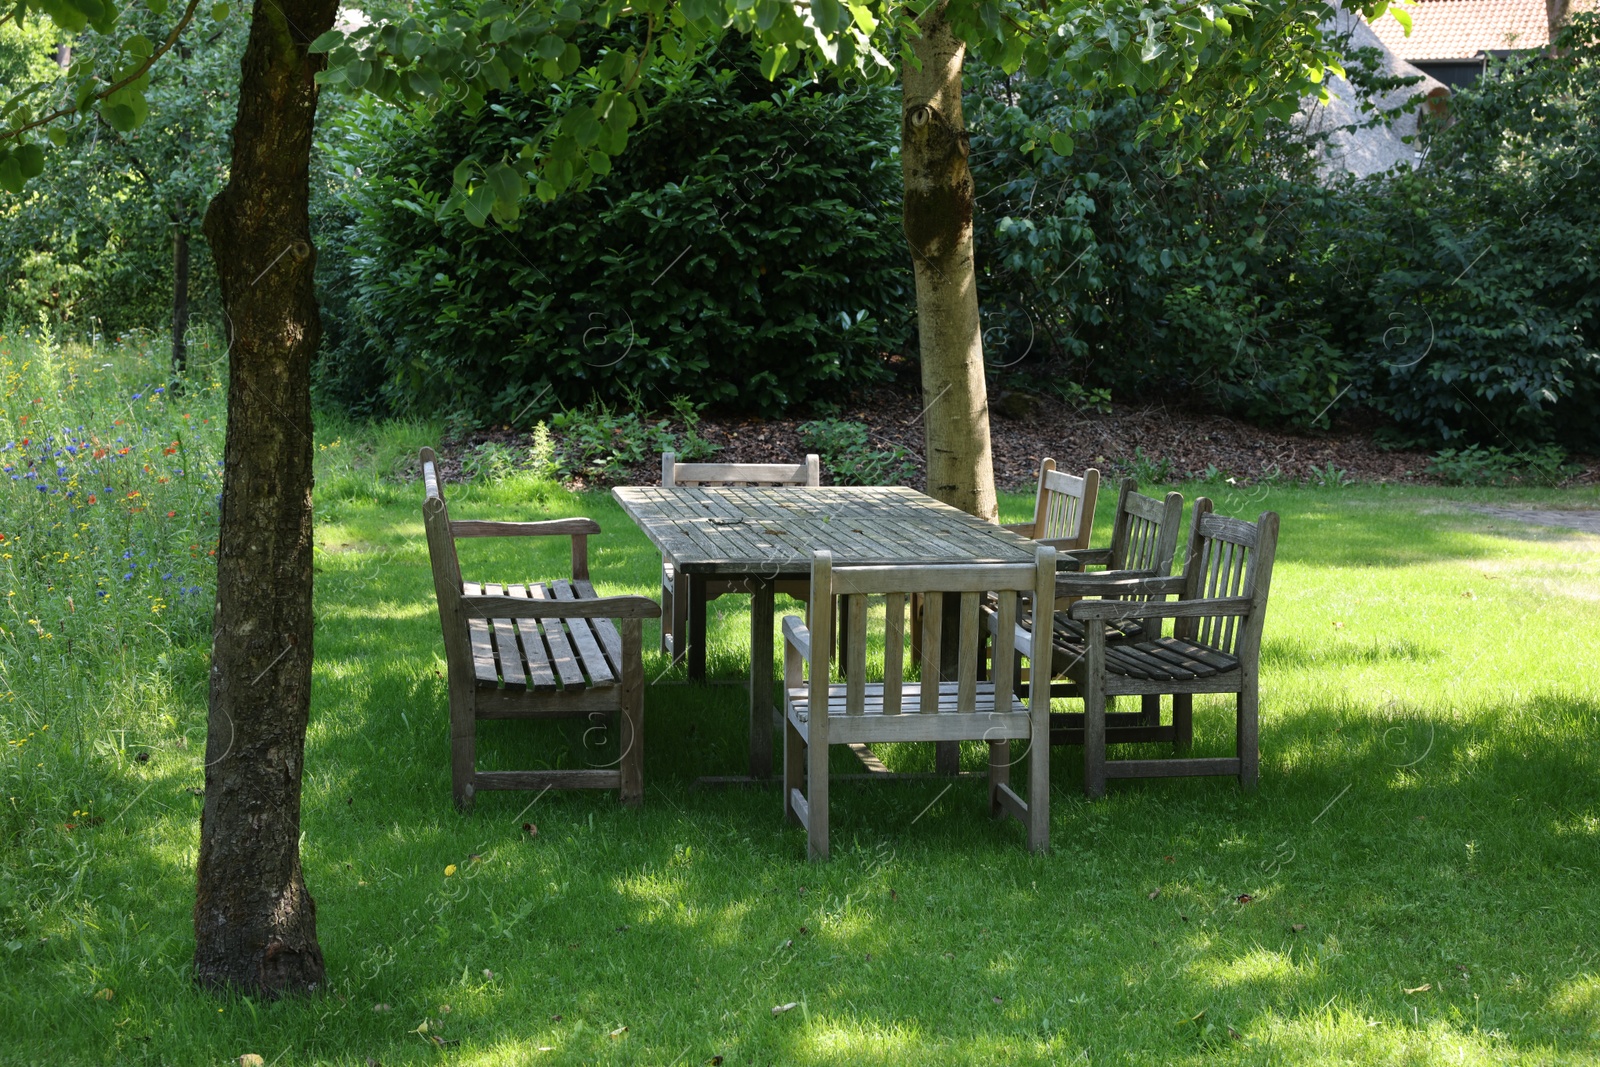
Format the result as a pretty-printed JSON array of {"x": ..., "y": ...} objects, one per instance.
[{"x": 1414, "y": 882}]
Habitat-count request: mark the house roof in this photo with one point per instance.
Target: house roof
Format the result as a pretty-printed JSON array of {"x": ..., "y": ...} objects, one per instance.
[{"x": 1460, "y": 29}]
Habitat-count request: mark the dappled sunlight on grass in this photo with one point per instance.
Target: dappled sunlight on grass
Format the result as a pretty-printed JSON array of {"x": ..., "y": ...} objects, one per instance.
[{"x": 1426, "y": 817}]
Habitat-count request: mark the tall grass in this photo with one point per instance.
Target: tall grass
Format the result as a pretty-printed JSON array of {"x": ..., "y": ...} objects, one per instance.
[{"x": 109, "y": 486}]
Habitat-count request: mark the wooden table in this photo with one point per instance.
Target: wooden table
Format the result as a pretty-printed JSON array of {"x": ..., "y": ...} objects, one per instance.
[{"x": 761, "y": 535}]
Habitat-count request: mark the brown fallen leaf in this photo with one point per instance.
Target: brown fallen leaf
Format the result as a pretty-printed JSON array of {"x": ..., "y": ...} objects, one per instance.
[
  {"x": 1423, "y": 988},
  {"x": 441, "y": 1042},
  {"x": 104, "y": 994},
  {"x": 251, "y": 1059},
  {"x": 997, "y": 1000},
  {"x": 530, "y": 829},
  {"x": 619, "y": 1031},
  {"x": 715, "y": 1061},
  {"x": 1153, "y": 894},
  {"x": 1297, "y": 927},
  {"x": 1244, "y": 898},
  {"x": 555, "y": 1018},
  {"x": 779, "y": 1009}
]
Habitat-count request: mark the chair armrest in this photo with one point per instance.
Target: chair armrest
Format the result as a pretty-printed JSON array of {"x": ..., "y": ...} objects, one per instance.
[
  {"x": 1087, "y": 557},
  {"x": 1023, "y": 528},
  {"x": 483, "y": 606},
  {"x": 1117, "y": 583},
  {"x": 1022, "y": 640},
  {"x": 1122, "y": 610},
  {"x": 796, "y": 636},
  {"x": 480, "y": 528}
]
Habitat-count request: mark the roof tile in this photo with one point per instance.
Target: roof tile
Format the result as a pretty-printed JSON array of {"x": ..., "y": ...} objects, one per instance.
[{"x": 1460, "y": 29}]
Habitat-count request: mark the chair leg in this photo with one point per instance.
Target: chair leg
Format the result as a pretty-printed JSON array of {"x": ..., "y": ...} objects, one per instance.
[
  {"x": 817, "y": 799},
  {"x": 999, "y": 774},
  {"x": 1246, "y": 737},
  {"x": 632, "y": 696},
  {"x": 1182, "y": 721},
  {"x": 1150, "y": 705},
  {"x": 1094, "y": 738},
  {"x": 1039, "y": 786},
  {"x": 794, "y": 769}
]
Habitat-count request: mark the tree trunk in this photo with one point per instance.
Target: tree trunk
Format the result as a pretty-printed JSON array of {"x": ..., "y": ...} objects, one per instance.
[
  {"x": 938, "y": 224},
  {"x": 180, "y": 299},
  {"x": 255, "y": 923}
]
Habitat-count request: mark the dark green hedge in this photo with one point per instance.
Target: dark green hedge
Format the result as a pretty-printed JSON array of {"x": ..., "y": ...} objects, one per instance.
[
  {"x": 745, "y": 251},
  {"x": 1459, "y": 300}
]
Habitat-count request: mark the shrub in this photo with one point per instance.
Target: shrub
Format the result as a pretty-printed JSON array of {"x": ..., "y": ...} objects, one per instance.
[
  {"x": 746, "y": 250},
  {"x": 845, "y": 448}
]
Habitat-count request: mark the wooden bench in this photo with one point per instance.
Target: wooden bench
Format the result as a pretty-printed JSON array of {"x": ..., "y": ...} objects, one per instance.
[
  {"x": 535, "y": 650},
  {"x": 677, "y": 625},
  {"x": 1214, "y": 647},
  {"x": 819, "y": 713}
]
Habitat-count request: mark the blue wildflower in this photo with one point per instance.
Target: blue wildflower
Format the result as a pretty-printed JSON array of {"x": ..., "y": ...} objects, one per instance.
[{"x": 128, "y": 577}]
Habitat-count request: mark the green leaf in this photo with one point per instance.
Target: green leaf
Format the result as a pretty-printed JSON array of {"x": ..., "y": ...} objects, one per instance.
[
  {"x": 570, "y": 60},
  {"x": 220, "y": 12},
  {"x": 600, "y": 163},
  {"x": 772, "y": 61},
  {"x": 357, "y": 73},
  {"x": 549, "y": 47},
  {"x": 509, "y": 186},
  {"x": 156, "y": 7},
  {"x": 581, "y": 124},
  {"x": 11, "y": 174},
  {"x": 478, "y": 204},
  {"x": 30, "y": 157},
  {"x": 326, "y": 42},
  {"x": 1061, "y": 143},
  {"x": 1403, "y": 17},
  {"x": 830, "y": 16}
]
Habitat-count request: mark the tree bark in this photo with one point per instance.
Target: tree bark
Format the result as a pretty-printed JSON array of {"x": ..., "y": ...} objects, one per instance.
[
  {"x": 254, "y": 920},
  {"x": 938, "y": 224},
  {"x": 180, "y": 299}
]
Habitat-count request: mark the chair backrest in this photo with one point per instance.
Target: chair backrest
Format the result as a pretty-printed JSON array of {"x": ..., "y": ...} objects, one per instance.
[
  {"x": 808, "y": 472},
  {"x": 1228, "y": 558},
  {"x": 1063, "y": 510},
  {"x": 1005, "y": 584},
  {"x": 446, "y": 565},
  {"x": 1144, "y": 536}
]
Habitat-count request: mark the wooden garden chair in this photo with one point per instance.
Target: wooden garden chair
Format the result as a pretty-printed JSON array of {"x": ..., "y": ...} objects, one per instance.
[
  {"x": 1215, "y": 647},
  {"x": 1144, "y": 539},
  {"x": 675, "y": 615},
  {"x": 534, "y": 650},
  {"x": 819, "y": 713},
  {"x": 1063, "y": 508}
]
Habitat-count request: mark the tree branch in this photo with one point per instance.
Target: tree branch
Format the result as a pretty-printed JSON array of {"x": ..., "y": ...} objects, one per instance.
[{"x": 150, "y": 61}]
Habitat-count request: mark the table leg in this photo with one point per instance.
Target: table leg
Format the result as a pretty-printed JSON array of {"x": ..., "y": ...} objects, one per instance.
[
  {"x": 695, "y": 654},
  {"x": 761, "y": 621}
]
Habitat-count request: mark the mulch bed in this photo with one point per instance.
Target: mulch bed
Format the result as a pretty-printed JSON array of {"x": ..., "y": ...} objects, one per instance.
[{"x": 1187, "y": 442}]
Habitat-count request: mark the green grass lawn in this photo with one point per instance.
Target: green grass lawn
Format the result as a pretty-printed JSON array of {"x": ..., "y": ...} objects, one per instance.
[{"x": 1414, "y": 882}]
